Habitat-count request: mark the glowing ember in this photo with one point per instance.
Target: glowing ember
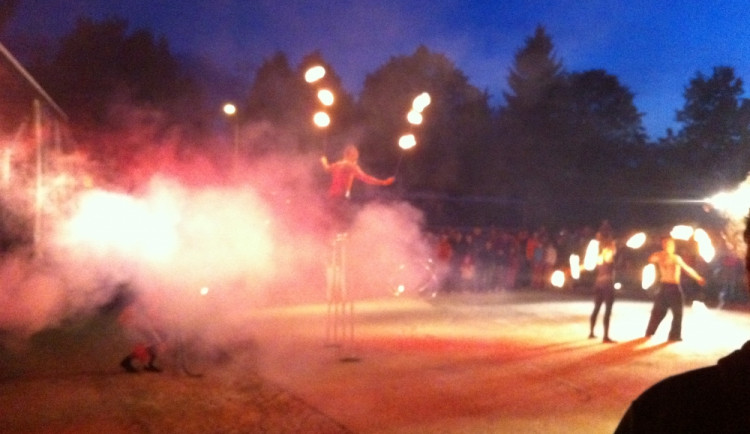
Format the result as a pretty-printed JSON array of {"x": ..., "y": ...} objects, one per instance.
[
  {"x": 558, "y": 279},
  {"x": 575, "y": 266},
  {"x": 321, "y": 119},
  {"x": 326, "y": 97},
  {"x": 648, "y": 276},
  {"x": 592, "y": 255},
  {"x": 636, "y": 241},
  {"x": 314, "y": 74},
  {"x": 681, "y": 232},
  {"x": 407, "y": 141}
]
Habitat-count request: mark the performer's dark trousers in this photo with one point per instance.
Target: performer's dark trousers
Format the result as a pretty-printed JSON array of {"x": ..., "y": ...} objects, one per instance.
[
  {"x": 669, "y": 296},
  {"x": 603, "y": 294}
]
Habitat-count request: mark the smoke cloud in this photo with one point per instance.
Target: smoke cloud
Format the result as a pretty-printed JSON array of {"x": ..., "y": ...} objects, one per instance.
[{"x": 202, "y": 251}]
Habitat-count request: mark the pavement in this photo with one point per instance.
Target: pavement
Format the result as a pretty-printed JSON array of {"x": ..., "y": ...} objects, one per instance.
[{"x": 505, "y": 362}]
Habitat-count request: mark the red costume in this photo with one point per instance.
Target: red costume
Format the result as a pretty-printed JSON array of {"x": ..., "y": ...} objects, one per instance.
[{"x": 343, "y": 173}]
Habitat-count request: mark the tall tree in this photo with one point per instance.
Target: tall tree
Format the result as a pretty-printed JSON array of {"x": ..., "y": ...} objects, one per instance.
[
  {"x": 714, "y": 141},
  {"x": 602, "y": 132},
  {"x": 280, "y": 96},
  {"x": 455, "y": 132},
  {"x": 101, "y": 72},
  {"x": 529, "y": 125},
  {"x": 7, "y": 9}
]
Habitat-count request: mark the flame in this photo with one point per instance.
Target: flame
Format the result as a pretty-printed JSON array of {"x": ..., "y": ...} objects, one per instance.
[
  {"x": 706, "y": 249},
  {"x": 575, "y": 266},
  {"x": 592, "y": 255},
  {"x": 112, "y": 221},
  {"x": 321, "y": 119},
  {"x": 636, "y": 241},
  {"x": 558, "y": 279},
  {"x": 648, "y": 277},
  {"x": 314, "y": 74},
  {"x": 732, "y": 203},
  {"x": 326, "y": 97},
  {"x": 421, "y": 102},
  {"x": 407, "y": 141},
  {"x": 414, "y": 117},
  {"x": 682, "y": 232}
]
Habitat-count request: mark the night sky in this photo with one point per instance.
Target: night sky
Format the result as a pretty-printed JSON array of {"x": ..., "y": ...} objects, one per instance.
[{"x": 653, "y": 46}]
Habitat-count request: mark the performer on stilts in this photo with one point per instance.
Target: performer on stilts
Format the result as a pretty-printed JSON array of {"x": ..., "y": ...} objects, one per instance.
[{"x": 340, "y": 305}]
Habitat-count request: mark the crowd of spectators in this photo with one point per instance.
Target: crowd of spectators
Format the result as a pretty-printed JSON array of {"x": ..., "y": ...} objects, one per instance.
[
  {"x": 487, "y": 259},
  {"x": 491, "y": 259}
]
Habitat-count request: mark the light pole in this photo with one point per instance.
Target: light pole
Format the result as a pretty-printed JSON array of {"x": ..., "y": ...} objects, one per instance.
[{"x": 231, "y": 111}]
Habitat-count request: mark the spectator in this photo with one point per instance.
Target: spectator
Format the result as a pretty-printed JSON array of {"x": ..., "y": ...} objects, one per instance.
[{"x": 713, "y": 399}]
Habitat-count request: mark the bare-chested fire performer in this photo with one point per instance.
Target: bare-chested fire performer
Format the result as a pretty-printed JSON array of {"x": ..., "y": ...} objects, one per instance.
[{"x": 669, "y": 295}]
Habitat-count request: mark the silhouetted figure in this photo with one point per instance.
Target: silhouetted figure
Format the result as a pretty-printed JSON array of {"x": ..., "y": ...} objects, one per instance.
[
  {"x": 604, "y": 287},
  {"x": 713, "y": 399}
]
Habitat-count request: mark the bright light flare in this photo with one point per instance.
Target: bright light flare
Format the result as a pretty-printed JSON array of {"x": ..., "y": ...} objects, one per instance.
[
  {"x": 592, "y": 255},
  {"x": 115, "y": 222},
  {"x": 734, "y": 204},
  {"x": 648, "y": 276},
  {"x": 407, "y": 141},
  {"x": 229, "y": 109},
  {"x": 314, "y": 74},
  {"x": 204, "y": 290},
  {"x": 414, "y": 117},
  {"x": 325, "y": 97},
  {"x": 706, "y": 249},
  {"x": 575, "y": 266},
  {"x": 421, "y": 102},
  {"x": 321, "y": 119},
  {"x": 682, "y": 232},
  {"x": 558, "y": 279},
  {"x": 636, "y": 241}
]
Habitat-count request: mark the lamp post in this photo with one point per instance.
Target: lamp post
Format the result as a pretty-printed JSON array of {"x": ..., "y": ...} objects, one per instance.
[{"x": 231, "y": 111}]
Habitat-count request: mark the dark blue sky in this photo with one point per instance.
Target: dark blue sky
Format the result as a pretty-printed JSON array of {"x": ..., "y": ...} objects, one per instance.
[{"x": 653, "y": 46}]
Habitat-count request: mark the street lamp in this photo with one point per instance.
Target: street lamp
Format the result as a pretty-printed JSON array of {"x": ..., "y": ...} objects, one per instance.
[{"x": 231, "y": 111}]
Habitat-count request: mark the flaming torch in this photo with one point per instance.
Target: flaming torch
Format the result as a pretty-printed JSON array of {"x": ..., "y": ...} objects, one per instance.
[
  {"x": 414, "y": 117},
  {"x": 314, "y": 73},
  {"x": 321, "y": 119}
]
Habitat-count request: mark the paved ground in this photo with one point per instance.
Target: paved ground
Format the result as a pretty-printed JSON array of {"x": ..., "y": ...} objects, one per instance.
[{"x": 509, "y": 362}]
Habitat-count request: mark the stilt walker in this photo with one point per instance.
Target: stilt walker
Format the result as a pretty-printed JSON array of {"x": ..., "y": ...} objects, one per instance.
[{"x": 340, "y": 315}]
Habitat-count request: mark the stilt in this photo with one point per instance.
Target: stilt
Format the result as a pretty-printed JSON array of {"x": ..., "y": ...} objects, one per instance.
[{"x": 340, "y": 309}]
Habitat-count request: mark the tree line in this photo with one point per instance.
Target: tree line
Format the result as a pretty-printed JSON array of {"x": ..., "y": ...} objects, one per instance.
[{"x": 564, "y": 147}]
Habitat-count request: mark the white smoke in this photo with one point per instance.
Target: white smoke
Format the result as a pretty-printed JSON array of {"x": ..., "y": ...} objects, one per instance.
[{"x": 258, "y": 242}]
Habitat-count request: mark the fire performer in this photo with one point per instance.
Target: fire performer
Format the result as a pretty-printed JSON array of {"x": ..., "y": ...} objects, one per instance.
[
  {"x": 669, "y": 295},
  {"x": 604, "y": 290},
  {"x": 343, "y": 173},
  {"x": 340, "y": 304}
]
